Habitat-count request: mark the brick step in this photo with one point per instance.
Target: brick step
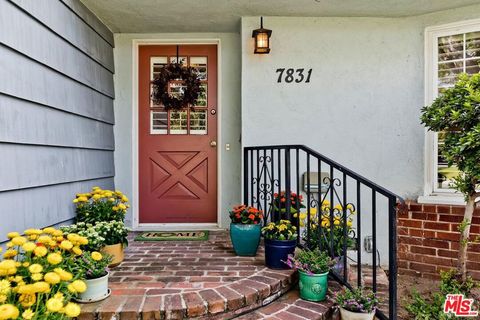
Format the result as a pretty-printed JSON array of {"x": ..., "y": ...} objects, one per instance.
[
  {"x": 223, "y": 302},
  {"x": 291, "y": 307}
]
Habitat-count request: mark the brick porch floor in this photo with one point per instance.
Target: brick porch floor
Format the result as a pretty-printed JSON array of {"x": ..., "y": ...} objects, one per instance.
[{"x": 194, "y": 279}]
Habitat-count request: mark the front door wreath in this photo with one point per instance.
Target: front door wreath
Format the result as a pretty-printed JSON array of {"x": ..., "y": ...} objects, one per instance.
[{"x": 189, "y": 78}]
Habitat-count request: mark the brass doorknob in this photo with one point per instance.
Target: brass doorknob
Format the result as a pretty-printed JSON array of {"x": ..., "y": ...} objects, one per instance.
[{"x": 213, "y": 144}]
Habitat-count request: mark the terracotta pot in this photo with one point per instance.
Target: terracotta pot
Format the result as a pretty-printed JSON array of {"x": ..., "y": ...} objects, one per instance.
[
  {"x": 349, "y": 315},
  {"x": 116, "y": 251}
]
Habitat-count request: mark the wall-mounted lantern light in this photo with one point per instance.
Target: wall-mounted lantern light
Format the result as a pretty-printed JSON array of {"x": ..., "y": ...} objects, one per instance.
[{"x": 262, "y": 39}]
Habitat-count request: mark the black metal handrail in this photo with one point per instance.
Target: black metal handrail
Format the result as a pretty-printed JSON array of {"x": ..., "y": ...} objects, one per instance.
[{"x": 269, "y": 170}]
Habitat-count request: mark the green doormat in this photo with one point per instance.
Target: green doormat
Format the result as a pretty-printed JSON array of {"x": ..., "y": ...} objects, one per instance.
[{"x": 172, "y": 236}]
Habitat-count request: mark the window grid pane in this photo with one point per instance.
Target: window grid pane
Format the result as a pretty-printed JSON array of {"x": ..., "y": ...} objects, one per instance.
[{"x": 456, "y": 54}]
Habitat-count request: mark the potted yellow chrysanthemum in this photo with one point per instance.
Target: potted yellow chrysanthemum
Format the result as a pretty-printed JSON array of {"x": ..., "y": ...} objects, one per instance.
[
  {"x": 280, "y": 242},
  {"x": 103, "y": 212},
  {"x": 39, "y": 276},
  {"x": 331, "y": 239}
]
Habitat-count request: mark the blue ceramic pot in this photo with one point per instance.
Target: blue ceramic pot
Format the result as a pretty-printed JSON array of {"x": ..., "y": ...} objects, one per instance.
[
  {"x": 245, "y": 238},
  {"x": 277, "y": 251}
]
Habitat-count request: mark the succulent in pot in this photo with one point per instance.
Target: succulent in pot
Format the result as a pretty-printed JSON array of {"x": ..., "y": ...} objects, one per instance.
[
  {"x": 245, "y": 229},
  {"x": 357, "y": 304},
  {"x": 313, "y": 267},
  {"x": 280, "y": 242},
  {"x": 95, "y": 268}
]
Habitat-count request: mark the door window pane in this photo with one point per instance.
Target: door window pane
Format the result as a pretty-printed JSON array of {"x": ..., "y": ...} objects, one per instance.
[
  {"x": 198, "y": 122},
  {"x": 176, "y": 89},
  {"x": 178, "y": 122},
  {"x": 159, "y": 122},
  {"x": 202, "y": 98},
  {"x": 156, "y": 64},
  {"x": 200, "y": 64}
]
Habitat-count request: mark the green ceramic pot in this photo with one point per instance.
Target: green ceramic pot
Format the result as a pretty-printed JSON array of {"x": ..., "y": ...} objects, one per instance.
[
  {"x": 313, "y": 287},
  {"x": 245, "y": 238}
]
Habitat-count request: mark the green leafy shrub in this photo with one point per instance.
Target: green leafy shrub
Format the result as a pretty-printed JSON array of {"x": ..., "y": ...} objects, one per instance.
[
  {"x": 456, "y": 115},
  {"x": 431, "y": 307}
]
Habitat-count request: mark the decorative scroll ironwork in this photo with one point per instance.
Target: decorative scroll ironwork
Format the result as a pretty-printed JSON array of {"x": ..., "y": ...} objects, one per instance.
[
  {"x": 271, "y": 169},
  {"x": 263, "y": 185}
]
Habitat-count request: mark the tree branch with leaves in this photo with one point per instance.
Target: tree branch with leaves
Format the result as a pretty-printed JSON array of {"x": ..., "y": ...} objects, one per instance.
[{"x": 456, "y": 113}]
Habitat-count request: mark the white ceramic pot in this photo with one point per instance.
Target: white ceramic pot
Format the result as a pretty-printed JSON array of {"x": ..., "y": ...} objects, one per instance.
[
  {"x": 349, "y": 315},
  {"x": 97, "y": 289}
]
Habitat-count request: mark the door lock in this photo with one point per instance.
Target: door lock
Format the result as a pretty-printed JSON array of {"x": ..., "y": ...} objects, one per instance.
[{"x": 213, "y": 144}]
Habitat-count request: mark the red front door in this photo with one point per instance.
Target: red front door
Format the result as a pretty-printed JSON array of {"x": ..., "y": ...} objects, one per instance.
[{"x": 177, "y": 149}]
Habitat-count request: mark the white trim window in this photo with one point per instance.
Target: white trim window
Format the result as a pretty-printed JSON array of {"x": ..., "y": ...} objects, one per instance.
[{"x": 449, "y": 51}]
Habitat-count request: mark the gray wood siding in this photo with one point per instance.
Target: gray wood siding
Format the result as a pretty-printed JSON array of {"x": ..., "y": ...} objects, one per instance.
[
  {"x": 70, "y": 27},
  {"x": 43, "y": 206},
  {"x": 56, "y": 110},
  {"x": 51, "y": 127}
]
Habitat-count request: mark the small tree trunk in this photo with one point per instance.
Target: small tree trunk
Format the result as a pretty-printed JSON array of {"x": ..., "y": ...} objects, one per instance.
[{"x": 464, "y": 237}]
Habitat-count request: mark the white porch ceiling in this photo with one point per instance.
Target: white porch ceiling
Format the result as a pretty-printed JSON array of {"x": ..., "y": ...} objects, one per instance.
[{"x": 145, "y": 16}]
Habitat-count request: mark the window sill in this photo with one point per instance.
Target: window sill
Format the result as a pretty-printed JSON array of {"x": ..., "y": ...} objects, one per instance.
[{"x": 439, "y": 198}]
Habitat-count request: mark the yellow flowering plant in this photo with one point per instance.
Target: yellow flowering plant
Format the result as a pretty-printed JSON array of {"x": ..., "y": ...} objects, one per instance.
[
  {"x": 39, "y": 275},
  {"x": 321, "y": 229},
  {"x": 101, "y": 205},
  {"x": 280, "y": 230}
]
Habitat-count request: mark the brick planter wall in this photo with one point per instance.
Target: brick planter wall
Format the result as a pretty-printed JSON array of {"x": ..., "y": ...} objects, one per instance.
[{"x": 428, "y": 239}]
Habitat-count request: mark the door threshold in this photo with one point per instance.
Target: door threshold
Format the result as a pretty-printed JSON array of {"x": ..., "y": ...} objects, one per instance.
[{"x": 177, "y": 227}]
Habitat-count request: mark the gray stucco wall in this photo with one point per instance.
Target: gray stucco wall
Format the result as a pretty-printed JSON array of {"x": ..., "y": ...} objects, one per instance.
[
  {"x": 56, "y": 110},
  {"x": 363, "y": 104},
  {"x": 229, "y": 111}
]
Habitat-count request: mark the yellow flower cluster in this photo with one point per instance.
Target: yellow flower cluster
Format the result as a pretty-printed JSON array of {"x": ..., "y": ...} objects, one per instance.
[
  {"x": 282, "y": 230},
  {"x": 326, "y": 210},
  {"x": 117, "y": 198},
  {"x": 37, "y": 277}
]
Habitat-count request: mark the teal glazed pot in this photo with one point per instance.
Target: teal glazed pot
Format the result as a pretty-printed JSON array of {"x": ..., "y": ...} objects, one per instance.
[{"x": 245, "y": 238}]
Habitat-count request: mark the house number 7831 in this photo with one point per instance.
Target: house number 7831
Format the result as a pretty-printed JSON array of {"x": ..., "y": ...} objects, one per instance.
[{"x": 290, "y": 75}]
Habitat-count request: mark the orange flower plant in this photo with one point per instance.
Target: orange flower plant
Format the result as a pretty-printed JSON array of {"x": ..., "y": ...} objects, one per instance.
[{"x": 246, "y": 215}]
